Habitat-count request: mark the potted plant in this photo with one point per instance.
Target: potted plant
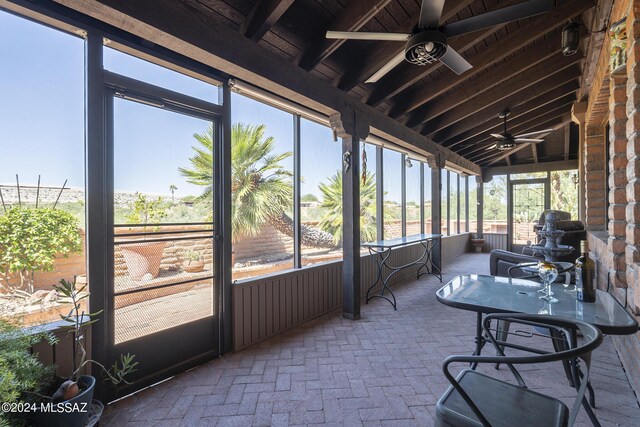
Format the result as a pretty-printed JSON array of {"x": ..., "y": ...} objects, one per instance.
[
  {"x": 143, "y": 259},
  {"x": 193, "y": 262},
  {"x": 22, "y": 376},
  {"x": 75, "y": 394},
  {"x": 478, "y": 242}
]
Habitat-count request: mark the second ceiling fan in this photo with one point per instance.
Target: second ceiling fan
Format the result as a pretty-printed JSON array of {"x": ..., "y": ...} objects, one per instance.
[{"x": 428, "y": 41}]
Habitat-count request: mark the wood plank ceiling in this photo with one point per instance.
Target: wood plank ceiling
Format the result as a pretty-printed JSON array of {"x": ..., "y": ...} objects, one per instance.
[{"x": 519, "y": 65}]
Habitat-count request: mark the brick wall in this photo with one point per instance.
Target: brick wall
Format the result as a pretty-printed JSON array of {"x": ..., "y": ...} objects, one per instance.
[{"x": 614, "y": 242}]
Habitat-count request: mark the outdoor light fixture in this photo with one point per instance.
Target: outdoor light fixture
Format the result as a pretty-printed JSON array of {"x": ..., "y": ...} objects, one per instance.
[
  {"x": 407, "y": 162},
  {"x": 570, "y": 38},
  {"x": 575, "y": 178}
]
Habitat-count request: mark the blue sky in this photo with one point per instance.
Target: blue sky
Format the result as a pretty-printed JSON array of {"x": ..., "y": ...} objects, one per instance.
[{"x": 42, "y": 121}]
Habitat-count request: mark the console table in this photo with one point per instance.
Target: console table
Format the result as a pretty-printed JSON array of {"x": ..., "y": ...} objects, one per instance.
[{"x": 382, "y": 250}]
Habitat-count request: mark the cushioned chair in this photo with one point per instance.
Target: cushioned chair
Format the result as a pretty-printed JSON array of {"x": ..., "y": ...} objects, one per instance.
[
  {"x": 501, "y": 261},
  {"x": 477, "y": 399}
]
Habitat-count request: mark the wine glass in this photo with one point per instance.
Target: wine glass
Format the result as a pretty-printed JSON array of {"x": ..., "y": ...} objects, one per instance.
[{"x": 548, "y": 274}]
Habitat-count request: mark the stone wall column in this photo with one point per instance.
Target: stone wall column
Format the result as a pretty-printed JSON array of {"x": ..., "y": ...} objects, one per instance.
[
  {"x": 616, "y": 243},
  {"x": 594, "y": 160},
  {"x": 632, "y": 255}
]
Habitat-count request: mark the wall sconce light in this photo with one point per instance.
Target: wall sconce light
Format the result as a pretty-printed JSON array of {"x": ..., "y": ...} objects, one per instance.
[
  {"x": 570, "y": 38},
  {"x": 575, "y": 178},
  {"x": 407, "y": 162}
]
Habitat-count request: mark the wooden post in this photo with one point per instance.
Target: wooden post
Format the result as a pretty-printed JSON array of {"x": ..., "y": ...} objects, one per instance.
[{"x": 351, "y": 130}]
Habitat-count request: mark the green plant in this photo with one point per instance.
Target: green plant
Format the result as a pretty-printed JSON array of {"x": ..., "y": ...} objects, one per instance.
[
  {"x": 332, "y": 201},
  {"x": 146, "y": 211},
  {"x": 76, "y": 320},
  {"x": 31, "y": 238},
  {"x": 262, "y": 189},
  {"x": 193, "y": 256},
  {"x": 22, "y": 375}
]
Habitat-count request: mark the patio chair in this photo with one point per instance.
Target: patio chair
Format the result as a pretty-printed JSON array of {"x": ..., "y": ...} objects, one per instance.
[{"x": 477, "y": 399}]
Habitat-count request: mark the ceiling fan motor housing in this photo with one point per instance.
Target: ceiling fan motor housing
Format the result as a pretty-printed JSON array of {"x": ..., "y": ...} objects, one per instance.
[
  {"x": 505, "y": 145},
  {"x": 425, "y": 47}
]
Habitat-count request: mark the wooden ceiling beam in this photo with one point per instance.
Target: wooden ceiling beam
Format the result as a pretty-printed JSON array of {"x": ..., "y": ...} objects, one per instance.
[
  {"x": 523, "y": 114},
  {"x": 565, "y": 77},
  {"x": 355, "y": 16},
  {"x": 518, "y": 126},
  {"x": 414, "y": 102},
  {"x": 534, "y": 152},
  {"x": 263, "y": 16},
  {"x": 526, "y": 34},
  {"x": 360, "y": 71},
  {"x": 518, "y": 84}
]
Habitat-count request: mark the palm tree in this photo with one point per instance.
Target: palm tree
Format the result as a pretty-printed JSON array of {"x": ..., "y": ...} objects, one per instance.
[
  {"x": 172, "y": 188},
  {"x": 332, "y": 202},
  {"x": 262, "y": 190}
]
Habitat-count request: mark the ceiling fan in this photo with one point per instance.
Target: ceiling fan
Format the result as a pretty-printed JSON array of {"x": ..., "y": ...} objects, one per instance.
[
  {"x": 506, "y": 141},
  {"x": 428, "y": 41}
]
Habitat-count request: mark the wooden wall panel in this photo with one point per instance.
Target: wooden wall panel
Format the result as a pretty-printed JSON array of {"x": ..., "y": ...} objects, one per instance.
[
  {"x": 270, "y": 305},
  {"x": 495, "y": 241}
]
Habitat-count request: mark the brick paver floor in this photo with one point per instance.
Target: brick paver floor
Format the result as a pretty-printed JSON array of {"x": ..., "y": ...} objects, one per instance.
[{"x": 384, "y": 369}]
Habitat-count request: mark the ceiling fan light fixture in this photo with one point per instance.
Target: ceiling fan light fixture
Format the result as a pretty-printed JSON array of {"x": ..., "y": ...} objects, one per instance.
[
  {"x": 425, "y": 47},
  {"x": 503, "y": 146}
]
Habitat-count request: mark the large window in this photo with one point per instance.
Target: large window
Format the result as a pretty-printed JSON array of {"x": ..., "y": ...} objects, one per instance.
[
  {"x": 444, "y": 203},
  {"x": 321, "y": 193},
  {"x": 454, "y": 203},
  {"x": 564, "y": 191},
  {"x": 262, "y": 187},
  {"x": 495, "y": 205},
  {"x": 412, "y": 185},
  {"x": 473, "y": 204},
  {"x": 368, "y": 196},
  {"x": 41, "y": 168},
  {"x": 392, "y": 161},
  {"x": 428, "y": 219}
]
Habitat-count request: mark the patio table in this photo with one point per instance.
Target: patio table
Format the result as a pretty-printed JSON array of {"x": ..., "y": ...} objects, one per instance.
[
  {"x": 490, "y": 294},
  {"x": 382, "y": 250}
]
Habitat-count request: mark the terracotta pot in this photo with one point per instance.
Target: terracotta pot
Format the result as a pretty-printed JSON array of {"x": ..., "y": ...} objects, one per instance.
[
  {"x": 191, "y": 266},
  {"x": 143, "y": 258}
]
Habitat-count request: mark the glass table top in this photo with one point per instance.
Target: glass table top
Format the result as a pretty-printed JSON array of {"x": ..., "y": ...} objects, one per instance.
[{"x": 491, "y": 294}]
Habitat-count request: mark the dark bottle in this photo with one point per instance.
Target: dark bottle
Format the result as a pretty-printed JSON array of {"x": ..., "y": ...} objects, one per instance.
[{"x": 585, "y": 275}]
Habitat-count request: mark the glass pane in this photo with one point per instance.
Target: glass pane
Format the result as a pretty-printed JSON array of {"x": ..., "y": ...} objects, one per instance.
[
  {"x": 368, "y": 197},
  {"x": 564, "y": 192},
  {"x": 528, "y": 204},
  {"x": 495, "y": 205},
  {"x": 321, "y": 194},
  {"x": 42, "y": 150},
  {"x": 530, "y": 175},
  {"x": 262, "y": 183},
  {"x": 454, "y": 213},
  {"x": 463, "y": 204},
  {"x": 163, "y": 254},
  {"x": 140, "y": 69},
  {"x": 427, "y": 200},
  {"x": 413, "y": 197},
  {"x": 473, "y": 204},
  {"x": 444, "y": 207},
  {"x": 392, "y": 162}
]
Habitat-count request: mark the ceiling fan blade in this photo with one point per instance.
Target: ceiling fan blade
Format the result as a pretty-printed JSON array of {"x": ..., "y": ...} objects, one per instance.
[
  {"x": 491, "y": 147},
  {"x": 498, "y": 136},
  {"x": 362, "y": 35},
  {"x": 430, "y": 13},
  {"x": 500, "y": 16},
  {"x": 455, "y": 61},
  {"x": 386, "y": 68},
  {"x": 538, "y": 132},
  {"x": 521, "y": 140}
]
